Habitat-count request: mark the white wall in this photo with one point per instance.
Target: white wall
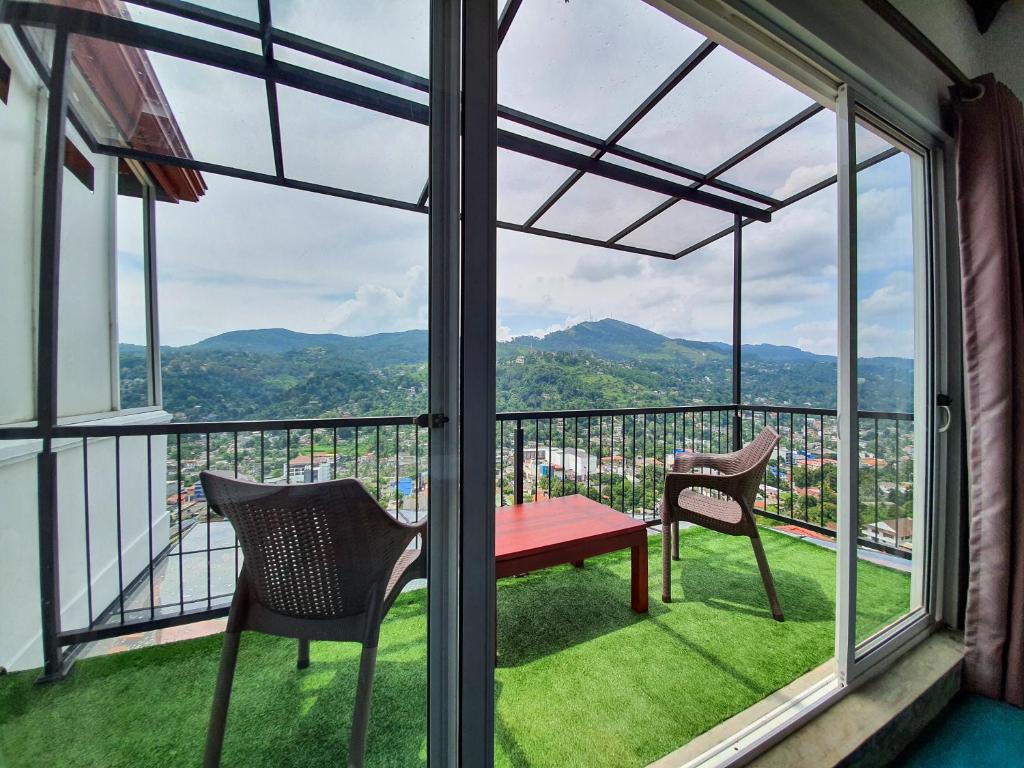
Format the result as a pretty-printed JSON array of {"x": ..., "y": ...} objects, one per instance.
[
  {"x": 18, "y": 226},
  {"x": 86, "y": 387},
  {"x": 19, "y": 548},
  {"x": 950, "y": 25}
]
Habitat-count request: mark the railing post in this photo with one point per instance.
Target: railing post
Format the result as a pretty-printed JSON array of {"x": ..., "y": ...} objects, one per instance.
[
  {"x": 519, "y": 463},
  {"x": 737, "y": 330}
]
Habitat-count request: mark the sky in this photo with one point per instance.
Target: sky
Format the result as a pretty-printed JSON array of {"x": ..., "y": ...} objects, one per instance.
[{"x": 250, "y": 255}]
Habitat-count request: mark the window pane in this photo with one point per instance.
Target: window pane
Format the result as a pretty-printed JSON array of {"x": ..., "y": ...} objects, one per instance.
[
  {"x": 341, "y": 145},
  {"x": 157, "y": 103},
  {"x": 889, "y": 371},
  {"x": 721, "y": 107},
  {"x": 571, "y": 63},
  {"x": 132, "y": 310}
]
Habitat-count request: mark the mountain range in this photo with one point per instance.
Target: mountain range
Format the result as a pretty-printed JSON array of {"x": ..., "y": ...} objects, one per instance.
[{"x": 278, "y": 373}]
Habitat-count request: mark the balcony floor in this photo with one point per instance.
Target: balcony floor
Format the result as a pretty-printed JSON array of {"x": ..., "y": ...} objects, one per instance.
[{"x": 581, "y": 680}]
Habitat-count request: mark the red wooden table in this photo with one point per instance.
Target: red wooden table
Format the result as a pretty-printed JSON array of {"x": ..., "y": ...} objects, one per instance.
[{"x": 569, "y": 529}]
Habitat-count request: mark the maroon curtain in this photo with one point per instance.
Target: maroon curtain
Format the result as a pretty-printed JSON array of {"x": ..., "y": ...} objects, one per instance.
[{"x": 990, "y": 197}]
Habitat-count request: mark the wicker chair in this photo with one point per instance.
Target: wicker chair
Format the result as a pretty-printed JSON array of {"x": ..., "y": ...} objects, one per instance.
[
  {"x": 322, "y": 561},
  {"x": 738, "y": 478}
]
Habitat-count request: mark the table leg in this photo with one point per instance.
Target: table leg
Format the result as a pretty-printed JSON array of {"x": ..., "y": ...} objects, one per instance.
[
  {"x": 578, "y": 563},
  {"x": 638, "y": 576}
]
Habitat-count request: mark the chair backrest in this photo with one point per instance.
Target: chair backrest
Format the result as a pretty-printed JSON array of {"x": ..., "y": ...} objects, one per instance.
[
  {"x": 748, "y": 462},
  {"x": 753, "y": 458},
  {"x": 312, "y": 551}
]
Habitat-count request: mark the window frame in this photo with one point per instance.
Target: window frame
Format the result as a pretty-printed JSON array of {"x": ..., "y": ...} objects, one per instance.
[{"x": 154, "y": 386}]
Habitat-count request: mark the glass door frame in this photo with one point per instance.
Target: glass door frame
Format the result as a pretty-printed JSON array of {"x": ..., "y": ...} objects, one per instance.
[{"x": 853, "y": 659}]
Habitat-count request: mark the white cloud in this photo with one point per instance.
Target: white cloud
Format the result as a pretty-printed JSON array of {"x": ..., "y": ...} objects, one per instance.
[{"x": 379, "y": 308}]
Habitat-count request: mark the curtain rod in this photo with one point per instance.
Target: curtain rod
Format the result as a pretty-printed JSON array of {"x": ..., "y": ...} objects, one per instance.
[{"x": 966, "y": 88}]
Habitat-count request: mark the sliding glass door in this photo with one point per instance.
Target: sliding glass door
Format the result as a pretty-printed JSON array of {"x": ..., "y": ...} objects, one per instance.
[{"x": 887, "y": 361}]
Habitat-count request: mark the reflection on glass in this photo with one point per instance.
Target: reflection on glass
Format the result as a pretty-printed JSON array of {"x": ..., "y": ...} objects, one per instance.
[{"x": 889, "y": 510}]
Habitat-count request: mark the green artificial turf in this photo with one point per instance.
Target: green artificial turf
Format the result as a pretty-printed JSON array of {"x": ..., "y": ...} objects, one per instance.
[{"x": 581, "y": 680}]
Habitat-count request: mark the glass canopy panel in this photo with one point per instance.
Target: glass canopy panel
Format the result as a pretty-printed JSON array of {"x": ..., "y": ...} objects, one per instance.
[
  {"x": 340, "y": 71},
  {"x": 720, "y": 108},
  {"x": 679, "y": 227},
  {"x": 156, "y": 103},
  {"x": 524, "y": 183},
  {"x": 197, "y": 29},
  {"x": 588, "y": 65},
  {"x": 793, "y": 162},
  {"x": 598, "y": 207},
  {"x": 340, "y": 145},
  {"x": 395, "y": 33}
]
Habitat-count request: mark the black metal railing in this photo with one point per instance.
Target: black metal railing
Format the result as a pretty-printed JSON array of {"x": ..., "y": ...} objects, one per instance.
[
  {"x": 141, "y": 550},
  {"x": 154, "y": 555},
  {"x": 619, "y": 457}
]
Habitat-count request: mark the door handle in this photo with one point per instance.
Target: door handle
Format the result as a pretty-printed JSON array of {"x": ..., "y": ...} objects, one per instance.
[{"x": 944, "y": 402}]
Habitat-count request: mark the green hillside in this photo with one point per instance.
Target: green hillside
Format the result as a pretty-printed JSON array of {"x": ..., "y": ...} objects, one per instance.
[{"x": 277, "y": 373}]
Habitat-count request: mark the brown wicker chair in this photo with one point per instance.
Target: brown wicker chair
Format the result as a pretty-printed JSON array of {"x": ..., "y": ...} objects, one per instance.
[
  {"x": 322, "y": 561},
  {"x": 739, "y": 476}
]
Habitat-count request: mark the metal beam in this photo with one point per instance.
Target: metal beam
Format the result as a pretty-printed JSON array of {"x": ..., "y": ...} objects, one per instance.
[
  {"x": 659, "y": 93},
  {"x": 263, "y": 178},
  {"x": 552, "y": 154},
  {"x": 795, "y": 198},
  {"x": 266, "y": 32},
  {"x": 323, "y": 189},
  {"x": 555, "y": 235},
  {"x": 508, "y": 15}
]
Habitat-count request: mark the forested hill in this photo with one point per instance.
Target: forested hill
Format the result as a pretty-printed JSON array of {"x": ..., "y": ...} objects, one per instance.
[{"x": 277, "y": 373}]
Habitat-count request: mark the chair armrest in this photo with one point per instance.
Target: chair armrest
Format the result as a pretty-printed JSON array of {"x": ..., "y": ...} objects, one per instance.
[
  {"x": 717, "y": 461},
  {"x": 676, "y": 482}
]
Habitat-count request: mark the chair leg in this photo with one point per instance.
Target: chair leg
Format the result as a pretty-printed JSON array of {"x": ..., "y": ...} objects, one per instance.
[
  {"x": 361, "y": 716},
  {"x": 221, "y": 699},
  {"x": 675, "y": 540},
  {"x": 303, "y": 661},
  {"x": 766, "y": 576},
  {"x": 666, "y": 562}
]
